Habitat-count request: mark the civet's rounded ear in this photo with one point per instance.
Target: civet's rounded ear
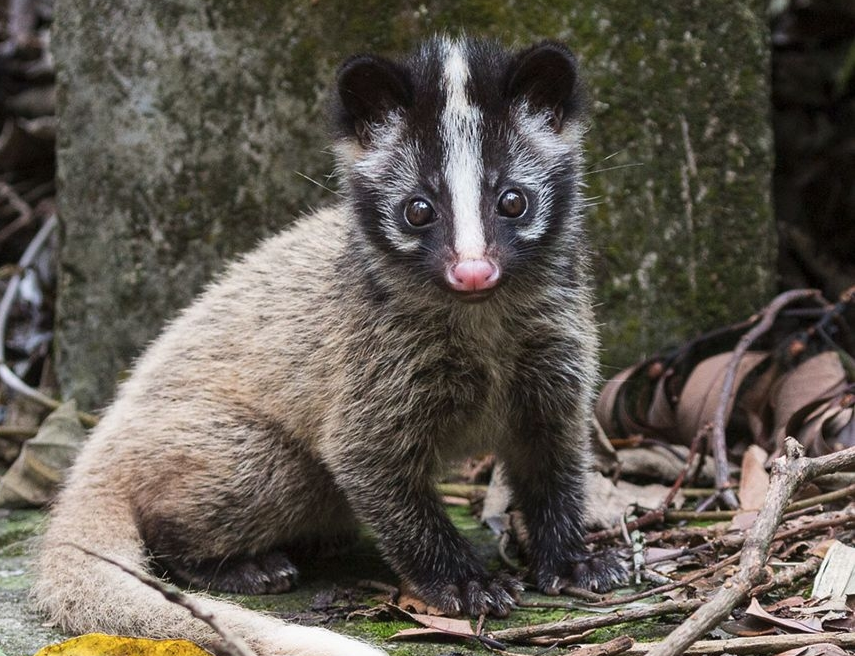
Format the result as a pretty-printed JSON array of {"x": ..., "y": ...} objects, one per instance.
[
  {"x": 370, "y": 88},
  {"x": 546, "y": 75}
]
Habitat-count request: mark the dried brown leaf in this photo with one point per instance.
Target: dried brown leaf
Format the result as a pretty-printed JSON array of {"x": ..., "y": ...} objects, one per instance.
[
  {"x": 623, "y": 403},
  {"x": 36, "y": 474},
  {"x": 811, "y": 625},
  {"x": 433, "y": 625},
  {"x": 787, "y": 603},
  {"x": 743, "y": 521},
  {"x": 605, "y": 408},
  {"x": 701, "y": 393},
  {"x": 844, "y": 624},
  {"x": 660, "y": 413},
  {"x": 613, "y": 499},
  {"x": 754, "y": 482},
  {"x": 817, "y": 378},
  {"x": 828, "y": 426},
  {"x": 407, "y": 603},
  {"x": 748, "y": 627}
]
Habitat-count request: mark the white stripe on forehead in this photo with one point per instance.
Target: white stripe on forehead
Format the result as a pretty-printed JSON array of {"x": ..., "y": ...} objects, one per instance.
[{"x": 461, "y": 122}]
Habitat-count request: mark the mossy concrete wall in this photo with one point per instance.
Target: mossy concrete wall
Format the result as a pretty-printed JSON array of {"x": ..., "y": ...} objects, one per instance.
[{"x": 187, "y": 127}]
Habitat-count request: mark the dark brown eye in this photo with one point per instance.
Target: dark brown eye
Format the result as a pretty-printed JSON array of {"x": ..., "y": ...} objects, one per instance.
[
  {"x": 419, "y": 212},
  {"x": 512, "y": 204}
]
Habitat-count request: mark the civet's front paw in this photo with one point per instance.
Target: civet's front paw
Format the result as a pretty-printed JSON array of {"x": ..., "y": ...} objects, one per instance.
[
  {"x": 474, "y": 595},
  {"x": 268, "y": 573},
  {"x": 598, "y": 572}
]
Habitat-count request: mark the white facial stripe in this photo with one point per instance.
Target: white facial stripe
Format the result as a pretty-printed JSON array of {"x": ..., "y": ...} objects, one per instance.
[
  {"x": 537, "y": 154},
  {"x": 391, "y": 164},
  {"x": 528, "y": 168},
  {"x": 461, "y": 123}
]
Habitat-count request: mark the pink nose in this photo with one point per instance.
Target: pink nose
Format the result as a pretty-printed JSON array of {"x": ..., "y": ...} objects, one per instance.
[{"x": 473, "y": 275}]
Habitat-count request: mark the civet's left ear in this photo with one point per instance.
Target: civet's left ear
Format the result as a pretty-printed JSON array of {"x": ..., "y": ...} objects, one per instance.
[{"x": 546, "y": 75}]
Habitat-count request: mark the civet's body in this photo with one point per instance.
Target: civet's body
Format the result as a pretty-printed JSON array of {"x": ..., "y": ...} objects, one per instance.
[{"x": 443, "y": 304}]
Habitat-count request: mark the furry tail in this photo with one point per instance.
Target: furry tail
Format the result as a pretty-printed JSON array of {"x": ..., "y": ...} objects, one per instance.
[{"x": 82, "y": 593}]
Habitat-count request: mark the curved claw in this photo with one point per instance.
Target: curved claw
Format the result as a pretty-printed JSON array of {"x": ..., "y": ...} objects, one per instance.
[{"x": 599, "y": 573}]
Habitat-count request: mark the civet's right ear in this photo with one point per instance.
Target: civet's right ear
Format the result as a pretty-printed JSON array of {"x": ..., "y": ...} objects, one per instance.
[{"x": 370, "y": 88}]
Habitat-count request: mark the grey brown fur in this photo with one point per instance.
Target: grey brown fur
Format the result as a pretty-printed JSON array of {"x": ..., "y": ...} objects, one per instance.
[{"x": 326, "y": 375}]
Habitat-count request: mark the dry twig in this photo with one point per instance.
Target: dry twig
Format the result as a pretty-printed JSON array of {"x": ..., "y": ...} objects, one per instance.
[
  {"x": 6, "y": 374},
  {"x": 700, "y": 574},
  {"x": 618, "y": 645},
  {"x": 836, "y": 495},
  {"x": 837, "y": 519},
  {"x": 719, "y": 445},
  {"x": 232, "y": 645},
  {"x": 580, "y": 624},
  {"x": 17, "y": 433},
  {"x": 772, "y": 644},
  {"x": 786, "y": 577}
]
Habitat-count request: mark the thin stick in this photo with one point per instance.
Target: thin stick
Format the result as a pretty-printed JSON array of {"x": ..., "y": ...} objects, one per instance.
[
  {"x": 553, "y": 630},
  {"x": 17, "y": 433},
  {"x": 233, "y": 644},
  {"x": 786, "y": 577},
  {"x": 840, "y": 518},
  {"x": 788, "y": 473},
  {"x": 700, "y": 515},
  {"x": 771, "y": 644},
  {"x": 837, "y": 495},
  {"x": 722, "y": 476},
  {"x": 618, "y": 645},
  {"x": 580, "y": 624}
]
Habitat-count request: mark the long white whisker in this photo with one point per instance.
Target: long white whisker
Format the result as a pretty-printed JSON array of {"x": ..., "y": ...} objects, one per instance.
[{"x": 322, "y": 186}]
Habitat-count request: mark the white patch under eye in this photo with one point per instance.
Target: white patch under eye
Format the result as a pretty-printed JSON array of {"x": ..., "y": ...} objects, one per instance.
[
  {"x": 537, "y": 153},
  {"x": 536, "y": 228},
  {"x": 461, "y": 122}
]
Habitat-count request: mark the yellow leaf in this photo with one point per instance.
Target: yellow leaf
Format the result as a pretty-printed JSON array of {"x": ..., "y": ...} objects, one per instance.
[{"x": 99, "y": 644}]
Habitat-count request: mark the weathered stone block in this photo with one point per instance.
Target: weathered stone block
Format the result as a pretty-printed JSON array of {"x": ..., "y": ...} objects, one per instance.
[{"x": 187, "y": 128}]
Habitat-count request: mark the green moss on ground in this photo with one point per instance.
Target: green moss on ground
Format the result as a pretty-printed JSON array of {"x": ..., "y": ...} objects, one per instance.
[{"x": 17, "y": 529}]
